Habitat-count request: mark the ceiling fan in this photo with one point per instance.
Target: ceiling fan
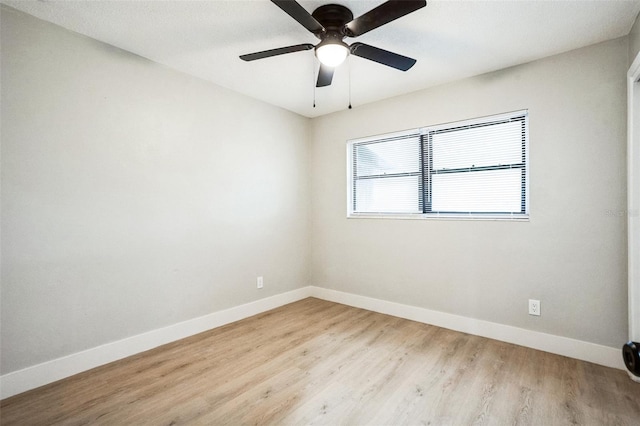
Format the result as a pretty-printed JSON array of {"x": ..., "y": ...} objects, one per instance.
[{"x": 331, "y": 23}]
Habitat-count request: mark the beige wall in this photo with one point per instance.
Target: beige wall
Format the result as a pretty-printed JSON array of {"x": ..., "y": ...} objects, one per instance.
[
  {"x": 133, "y": 196},
  {"x": 634, "y": 40},
  {"x": 571, "y": 254}
]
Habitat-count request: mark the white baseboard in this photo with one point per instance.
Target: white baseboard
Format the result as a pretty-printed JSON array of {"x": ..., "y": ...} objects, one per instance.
[
  {"x": 41, "y": 374},
  {"x": 578, "y": 349}
]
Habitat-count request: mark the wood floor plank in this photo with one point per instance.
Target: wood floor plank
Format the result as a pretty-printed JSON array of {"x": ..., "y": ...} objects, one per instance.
[{"x": 317, "y": 362}]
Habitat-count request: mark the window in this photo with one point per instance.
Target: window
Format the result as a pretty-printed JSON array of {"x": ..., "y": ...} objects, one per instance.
[{"x": 477, "y": 168}]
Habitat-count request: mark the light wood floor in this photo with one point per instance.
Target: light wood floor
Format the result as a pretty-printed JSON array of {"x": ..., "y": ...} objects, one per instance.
[{"x": 317, "y": 362}]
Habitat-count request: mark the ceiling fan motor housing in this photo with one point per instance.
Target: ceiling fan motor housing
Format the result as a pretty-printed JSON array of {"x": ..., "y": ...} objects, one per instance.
[{"x": 333, "y": 18}]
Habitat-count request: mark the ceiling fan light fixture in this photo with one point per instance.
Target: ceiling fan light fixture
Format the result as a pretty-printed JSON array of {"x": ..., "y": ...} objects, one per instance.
[{"x": 332, "y": 53}]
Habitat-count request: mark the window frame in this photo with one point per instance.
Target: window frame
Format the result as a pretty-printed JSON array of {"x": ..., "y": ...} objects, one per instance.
[{"x": 426, "y": 171}]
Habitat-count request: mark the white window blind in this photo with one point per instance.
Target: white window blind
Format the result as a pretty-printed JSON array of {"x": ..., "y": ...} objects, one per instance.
[
  {"x": 387, "y": 175},
  {"x": 474, "y": 168}
]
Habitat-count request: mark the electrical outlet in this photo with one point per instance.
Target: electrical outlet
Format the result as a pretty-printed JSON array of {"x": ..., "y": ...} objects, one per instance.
[
  {"x": 534, "y": 307},
  {"x": 260, "y": 282}
]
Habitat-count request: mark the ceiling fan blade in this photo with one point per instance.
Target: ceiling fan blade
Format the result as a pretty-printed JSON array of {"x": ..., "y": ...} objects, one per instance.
[
  {"x": 276, "y": 52},
  {"x": 300, "y": 14},
  {"x": 382, "y": 56},
  {"x": 325, "y": 75},
  {"x": 383, "y": 14}
]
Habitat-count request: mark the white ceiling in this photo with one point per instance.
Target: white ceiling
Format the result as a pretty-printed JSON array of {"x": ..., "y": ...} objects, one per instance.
[{"x": 450, "y": 39}]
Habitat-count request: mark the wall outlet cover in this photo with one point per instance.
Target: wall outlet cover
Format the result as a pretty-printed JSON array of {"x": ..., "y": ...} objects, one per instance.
[{"x": 534, "y": 307}]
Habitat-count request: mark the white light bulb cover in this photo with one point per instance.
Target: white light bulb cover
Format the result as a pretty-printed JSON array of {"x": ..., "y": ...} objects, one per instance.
[{"x": 332, "y": 54}]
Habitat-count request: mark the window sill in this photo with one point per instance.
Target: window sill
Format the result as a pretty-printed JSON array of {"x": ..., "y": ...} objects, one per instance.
[{"x": 482, "y": 217}]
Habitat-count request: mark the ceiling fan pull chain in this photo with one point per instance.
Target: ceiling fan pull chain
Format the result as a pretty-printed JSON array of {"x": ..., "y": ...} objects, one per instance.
[
  {"x": 349, "y": 71},
  {"x": 313, "y": 78}
]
